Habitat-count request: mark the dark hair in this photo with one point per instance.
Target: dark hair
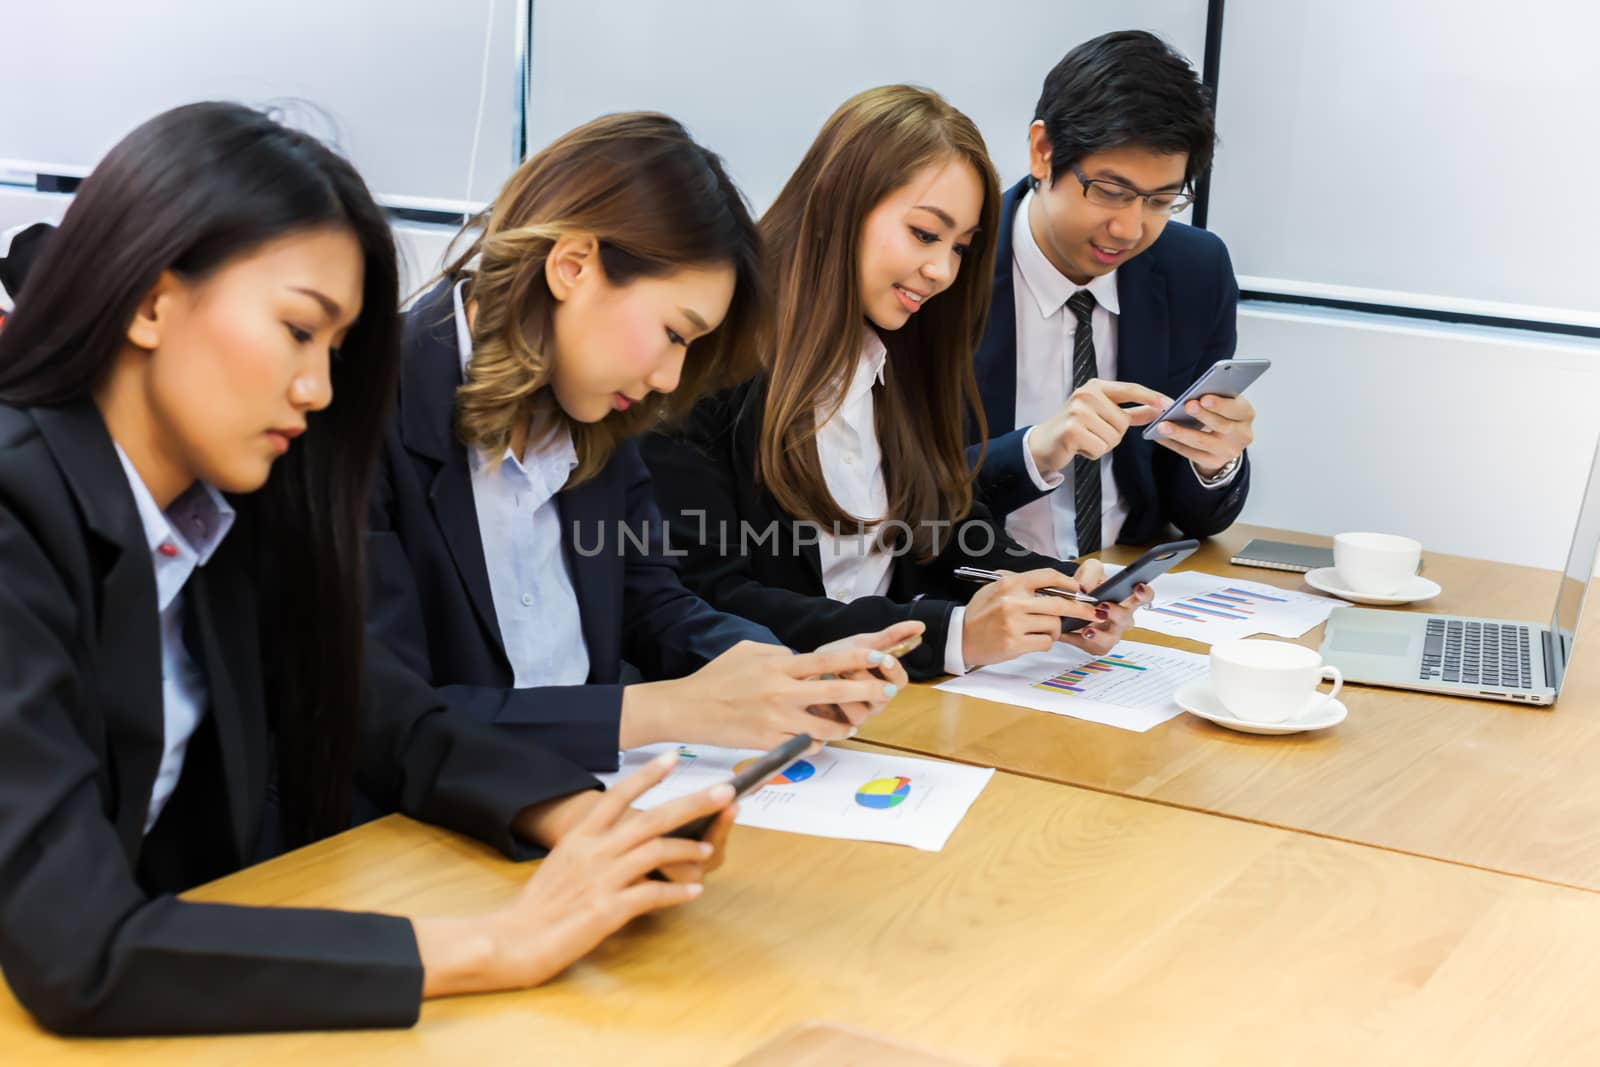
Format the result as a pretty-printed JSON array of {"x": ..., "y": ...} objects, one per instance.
[
  {"x": 187, "y": 192},
  {"x": 657, "y": 202},
  {"x": 26, "y": 244},
  {"x": 1126, "y": 88}
]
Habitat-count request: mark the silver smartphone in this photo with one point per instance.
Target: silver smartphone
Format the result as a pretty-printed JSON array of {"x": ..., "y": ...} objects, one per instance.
[{"x": 1226, "y": 377}]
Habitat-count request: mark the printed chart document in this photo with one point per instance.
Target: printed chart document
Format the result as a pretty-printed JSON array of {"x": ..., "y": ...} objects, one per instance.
[
  {"x": 1129, "y": 687},
  {"x": 839, "y": 792},
  {"x": 1205, "y": 607}
]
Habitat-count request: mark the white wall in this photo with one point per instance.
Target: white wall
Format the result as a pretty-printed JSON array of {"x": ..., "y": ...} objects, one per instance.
[
  {"x": 396, "y": 83},
  {"x": 755, "y": 81},
  {"x": 1474, "y": 441}
]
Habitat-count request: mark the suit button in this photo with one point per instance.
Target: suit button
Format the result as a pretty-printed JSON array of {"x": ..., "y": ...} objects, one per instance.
[{"x": 527, "y": 600}]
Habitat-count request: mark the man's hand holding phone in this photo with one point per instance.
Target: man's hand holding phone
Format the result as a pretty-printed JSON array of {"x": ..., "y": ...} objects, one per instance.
[{"x": 1227, "y": 425}]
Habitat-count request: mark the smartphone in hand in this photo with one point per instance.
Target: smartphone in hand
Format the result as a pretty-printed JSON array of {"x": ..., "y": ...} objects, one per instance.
[{"x": 750, "y": 779}]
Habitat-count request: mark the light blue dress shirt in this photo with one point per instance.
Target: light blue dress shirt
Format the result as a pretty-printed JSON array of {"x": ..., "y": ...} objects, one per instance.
[
  {"x": 519, "y": 522},
  {"x": 182, "y": 538}
]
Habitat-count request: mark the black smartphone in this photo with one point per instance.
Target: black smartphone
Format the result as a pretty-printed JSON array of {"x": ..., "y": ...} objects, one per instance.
[
  {"x": 1147, "y": 568},
  {"x": 1226, "y": 377},
  {"x": 750, "y": 779}
]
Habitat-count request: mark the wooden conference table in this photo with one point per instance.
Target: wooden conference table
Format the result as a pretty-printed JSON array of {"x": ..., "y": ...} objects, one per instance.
[
  {"x": 1479, "y": 782},
  {"x": 1058, "y": 926},
  {"x": 1065, "y": 925}
]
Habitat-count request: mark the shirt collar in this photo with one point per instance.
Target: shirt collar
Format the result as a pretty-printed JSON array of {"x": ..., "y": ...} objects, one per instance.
[
  {"x": 195, "y": 523},
  {"x": 869, "y": 366},
  {"x": 1049, "y": 287},
  {"x": 463, "y": 331}
]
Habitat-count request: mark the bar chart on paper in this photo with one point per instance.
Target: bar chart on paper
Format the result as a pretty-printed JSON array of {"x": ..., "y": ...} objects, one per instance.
[
  {"x": 1209, "y": 608},
  {"x": 1129, "y": 687}
]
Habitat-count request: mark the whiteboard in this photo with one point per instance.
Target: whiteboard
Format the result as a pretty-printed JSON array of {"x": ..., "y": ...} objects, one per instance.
[
  {"x": 755, "y": 81},
  {"x": 1436, "y": 153},
  {"x": 395, "y": 83}
]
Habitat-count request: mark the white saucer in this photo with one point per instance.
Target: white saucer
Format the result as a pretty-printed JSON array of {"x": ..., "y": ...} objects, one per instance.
[
  {"x": 1198, "y": 698},
  {"x": 1418, "y": 588}
]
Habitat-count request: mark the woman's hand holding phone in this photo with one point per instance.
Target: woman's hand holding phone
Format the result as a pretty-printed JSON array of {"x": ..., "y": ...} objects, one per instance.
[
  {"x": 595, "y": 880},
  {"x": 1112, "y": 618},
  {"x": 891, "y": 643},
  {"x": 1009, "y": 617},
  {"x": 755, "y": 696}
]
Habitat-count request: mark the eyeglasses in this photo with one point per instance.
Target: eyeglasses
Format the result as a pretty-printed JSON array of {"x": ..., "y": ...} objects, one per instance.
[{"x": 1102, "y": 193}]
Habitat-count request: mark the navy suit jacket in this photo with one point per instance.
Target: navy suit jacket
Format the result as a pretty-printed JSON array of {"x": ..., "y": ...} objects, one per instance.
[
  {"x": 430, "y": 593},
  {"x": 1178, "y": 301}
]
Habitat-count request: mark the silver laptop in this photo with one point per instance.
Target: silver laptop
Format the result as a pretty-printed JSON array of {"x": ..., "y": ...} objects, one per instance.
[{"x": 1494, "y": 658}]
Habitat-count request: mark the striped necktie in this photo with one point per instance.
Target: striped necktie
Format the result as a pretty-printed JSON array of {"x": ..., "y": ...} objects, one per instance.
[{"x": 1085, "y": 471}]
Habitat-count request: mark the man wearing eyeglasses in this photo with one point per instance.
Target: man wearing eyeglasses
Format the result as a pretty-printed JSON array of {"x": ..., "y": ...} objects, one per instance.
[{"x": 1104, "y": 309}]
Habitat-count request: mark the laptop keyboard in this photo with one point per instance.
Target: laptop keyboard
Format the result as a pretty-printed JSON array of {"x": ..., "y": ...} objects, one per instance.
[{"x": 1478, "y": 653}]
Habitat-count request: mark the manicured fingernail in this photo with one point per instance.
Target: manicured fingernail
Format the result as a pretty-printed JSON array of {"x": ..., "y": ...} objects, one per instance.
[
  {"x": 694, "y": 889},
  {"x": 1165, "y": 429},
  {"x": 890, "y": 689},
  {"x": 888, "y": 661},
  {"x": 1141, "y": 588},
  {"x": 1089, "y": 632},
  {"x": 875, "y": 658},
  {"x": 706, "y": 848},
  {"x": 852, "y": 732},
  {"x": 1102, "y": 614},
  {"x": 722, "y": 793}
]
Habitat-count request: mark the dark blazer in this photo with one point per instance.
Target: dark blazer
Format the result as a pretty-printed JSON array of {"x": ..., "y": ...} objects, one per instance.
[
  {"x": 1178, "y": 302},
  {"x": 91, "y": 941},
  {"x": 431, "y": 600},
  {"x": 705, "y": 476}
]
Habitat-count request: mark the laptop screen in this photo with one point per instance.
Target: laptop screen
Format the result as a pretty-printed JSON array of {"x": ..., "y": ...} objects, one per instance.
[{"x": 1577, "y": 575}]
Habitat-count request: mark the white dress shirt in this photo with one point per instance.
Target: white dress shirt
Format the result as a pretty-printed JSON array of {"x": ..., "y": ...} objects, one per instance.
[
  {"x": 519, "y": 523},
  {"x": 1046, "y": 329},
  {"x": 853, "y": 564},
  {"x": 182, "y": 538}
]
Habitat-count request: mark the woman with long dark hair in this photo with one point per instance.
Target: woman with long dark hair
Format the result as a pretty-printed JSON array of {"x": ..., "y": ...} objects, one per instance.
[
  {"x": 849, "y": 439},
  {"x": 185, "y": 675},
  {"x": 518, "y": 558}
]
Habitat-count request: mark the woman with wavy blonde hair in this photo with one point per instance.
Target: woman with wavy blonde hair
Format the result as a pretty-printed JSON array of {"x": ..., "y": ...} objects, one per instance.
[
  {"x": 849, "y": 438},
  {"x": 517, "y": 555}
]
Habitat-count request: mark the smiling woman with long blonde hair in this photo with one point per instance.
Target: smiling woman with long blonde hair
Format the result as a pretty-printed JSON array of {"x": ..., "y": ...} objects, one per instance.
[{"x": 848, "y": 441}]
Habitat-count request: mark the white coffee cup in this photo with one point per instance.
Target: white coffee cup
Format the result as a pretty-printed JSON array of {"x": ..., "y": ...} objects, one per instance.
[
  {"x": 1374, "y": 563},
  {"x": 1270, "y": 681}
]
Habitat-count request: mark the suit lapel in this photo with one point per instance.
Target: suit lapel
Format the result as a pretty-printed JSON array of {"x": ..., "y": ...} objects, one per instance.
[
  {"x": 128, "y": 635},
  {"x": 220, "y": 609},
  {"x": 747, "y": 429},
  {"x": 1143, "y": 340},
  {"x": 996, "y": 360},
  {"x": 591, "y": 544},
  {"x": 430, "y": 373}
]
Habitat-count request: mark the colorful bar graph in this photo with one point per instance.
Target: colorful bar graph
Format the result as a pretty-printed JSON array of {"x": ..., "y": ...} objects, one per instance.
[
  {"x": 1258, "y": 596},
  {"x": 1071, "y": 681}
]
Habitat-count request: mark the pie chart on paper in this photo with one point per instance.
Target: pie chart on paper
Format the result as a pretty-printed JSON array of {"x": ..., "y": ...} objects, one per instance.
[
  {"x": 796, "y": 772},
  {"x": 882, "y": 793}
]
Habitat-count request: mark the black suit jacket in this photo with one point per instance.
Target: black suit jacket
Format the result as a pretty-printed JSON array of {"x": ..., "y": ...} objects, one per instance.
[
  {"x": 91, "y": 942},
  {"x": 1179, "y": 303},
  {"x": 431, "y": 600},
  {"x": 705, "y": 476}
]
